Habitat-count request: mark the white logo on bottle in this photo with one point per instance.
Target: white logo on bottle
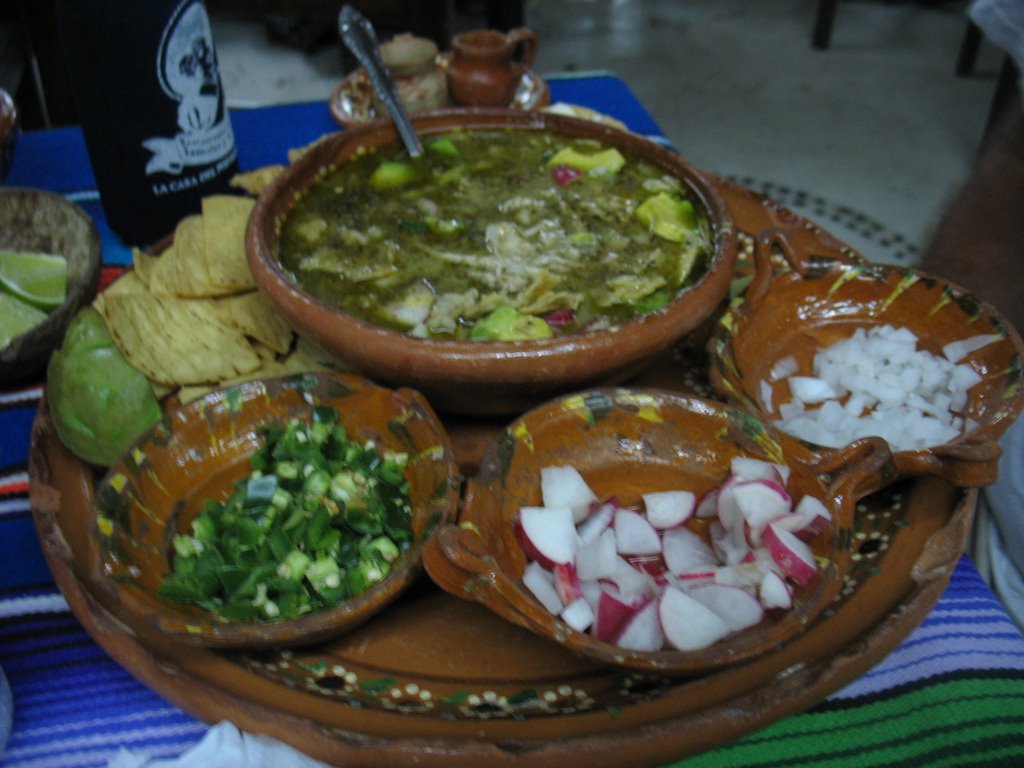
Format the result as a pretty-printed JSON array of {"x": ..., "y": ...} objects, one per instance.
[{"x": 187, "y": 69}]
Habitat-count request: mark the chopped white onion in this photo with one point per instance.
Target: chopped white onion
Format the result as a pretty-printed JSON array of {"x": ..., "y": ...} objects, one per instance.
[
  {"x": 956, "y": 351},
  {"x": 884, "y": 386}
]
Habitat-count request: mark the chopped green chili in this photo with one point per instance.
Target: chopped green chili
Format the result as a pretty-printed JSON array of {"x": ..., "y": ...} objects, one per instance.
[{"x": 320, "y": 519}]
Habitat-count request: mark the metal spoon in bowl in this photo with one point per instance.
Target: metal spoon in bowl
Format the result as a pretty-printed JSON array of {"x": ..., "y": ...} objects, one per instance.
[{"x": 359, "y": 36}]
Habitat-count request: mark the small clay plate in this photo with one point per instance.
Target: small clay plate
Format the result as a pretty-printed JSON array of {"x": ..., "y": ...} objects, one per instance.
[
  {"x": 351, "y": 101},
  {"x": 196, "y": 452},
  {"x": 812, "y": 303},
  {"x": 625, "y": 443}
]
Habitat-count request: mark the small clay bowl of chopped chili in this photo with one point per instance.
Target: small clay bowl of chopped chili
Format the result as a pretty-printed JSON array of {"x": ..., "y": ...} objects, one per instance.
[{"x": 274, "y": 513}]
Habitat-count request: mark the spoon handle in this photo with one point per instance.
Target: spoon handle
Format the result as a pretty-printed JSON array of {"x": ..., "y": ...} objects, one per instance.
[{"x": 359, "y": 36}]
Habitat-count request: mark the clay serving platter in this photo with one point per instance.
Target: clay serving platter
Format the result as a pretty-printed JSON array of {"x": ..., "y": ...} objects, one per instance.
[{"x": 437, "y": 681}]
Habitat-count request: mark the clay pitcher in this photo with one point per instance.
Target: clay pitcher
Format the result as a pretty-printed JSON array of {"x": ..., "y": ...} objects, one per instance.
[{"x": 486, "y": 66}]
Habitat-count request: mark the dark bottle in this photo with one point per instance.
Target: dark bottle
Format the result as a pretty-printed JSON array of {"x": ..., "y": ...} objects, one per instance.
[{"x": 151, "y": 106}]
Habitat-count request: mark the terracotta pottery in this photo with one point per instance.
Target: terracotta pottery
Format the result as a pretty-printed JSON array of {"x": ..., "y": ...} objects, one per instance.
[
  {"x": 418, "y": 76},
  {"x": 486, "y": 65},
  {"x": 811, "y": 303},
  {"x": 199, "y": 450},
  {"x": 437, "y": 680},
  {"x": 486, "y": 377},
  {"x": 626, "y": 443},
  {"x": 37, "y": 220}
]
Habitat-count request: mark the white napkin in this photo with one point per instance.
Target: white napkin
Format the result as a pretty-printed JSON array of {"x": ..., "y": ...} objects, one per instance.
[{"x": 223, "y": 746}]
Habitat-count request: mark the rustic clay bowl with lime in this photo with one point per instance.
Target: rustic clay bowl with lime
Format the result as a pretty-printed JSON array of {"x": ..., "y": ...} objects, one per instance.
[
  {"x": 962, "y": 348},
  {"x": 198, "y": 452},
  {"x": 34, "y": 221},
  {"x": 627, "y": 444},
  {"x": 488, "y": 376}
]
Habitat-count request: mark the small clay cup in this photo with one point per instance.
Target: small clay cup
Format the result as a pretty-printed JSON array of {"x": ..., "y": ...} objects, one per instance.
[{"x": 486, "y": 66}]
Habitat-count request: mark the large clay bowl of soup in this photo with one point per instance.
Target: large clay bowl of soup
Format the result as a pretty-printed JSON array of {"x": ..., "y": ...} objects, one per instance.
[
  {"x": 523, "y": 255},
  {"x": 829, "y": 352}
]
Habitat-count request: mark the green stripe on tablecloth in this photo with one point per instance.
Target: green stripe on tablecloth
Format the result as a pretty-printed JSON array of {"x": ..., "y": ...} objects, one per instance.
[{"x": 970, "y": 722}]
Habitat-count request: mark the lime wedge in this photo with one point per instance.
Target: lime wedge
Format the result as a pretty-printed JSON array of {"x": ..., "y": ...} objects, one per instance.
[
  {"x": 16, "y": 317},
  {"x": 39, "y": 279}
]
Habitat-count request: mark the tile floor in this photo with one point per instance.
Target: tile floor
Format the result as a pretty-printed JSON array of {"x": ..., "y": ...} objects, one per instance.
[{"x": 869, "y": 137}]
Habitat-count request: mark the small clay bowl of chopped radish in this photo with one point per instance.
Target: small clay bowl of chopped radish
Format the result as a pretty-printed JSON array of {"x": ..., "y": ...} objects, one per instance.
[
  {"x": 653, "y": 530},
  {"x": 831, "y": 352}
]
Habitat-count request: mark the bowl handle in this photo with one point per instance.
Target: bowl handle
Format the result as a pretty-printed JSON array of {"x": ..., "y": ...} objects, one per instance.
[
  {"x": 765, "y": 244},
  {"x": 457, "y": 560},
  {"x": 798, "y": 257},
  {"x": 857, "y": 469},
  {"x": 965, "y": 464}
]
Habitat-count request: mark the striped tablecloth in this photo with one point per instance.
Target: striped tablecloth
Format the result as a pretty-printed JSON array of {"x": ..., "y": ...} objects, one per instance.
[{"x": 952, "y": 694}]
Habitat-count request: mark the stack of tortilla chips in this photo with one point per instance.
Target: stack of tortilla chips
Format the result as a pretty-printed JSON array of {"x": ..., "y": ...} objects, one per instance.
[{"x": 191, "y": 318}]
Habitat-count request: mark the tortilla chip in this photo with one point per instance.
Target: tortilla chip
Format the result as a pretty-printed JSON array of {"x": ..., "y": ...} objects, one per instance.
[
  {"x": 254, "y": 316},
  {"x": 177, "y": 341},
  {"x": 128, "y": 283},
  {"x": 224, "y": 220},
  {"x": 144, "y": 264},
  {"x": 257, "y": 180},
  {"x": 297, "y": 152},
  {"x": 182, "y": 269}
]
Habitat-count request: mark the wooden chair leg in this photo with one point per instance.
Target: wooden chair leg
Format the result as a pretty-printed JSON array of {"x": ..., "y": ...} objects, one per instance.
[
  {"x": 969, "y": 46},
  {"x": 823, "y": 23},
  {"x": 1006, "y": 87}
]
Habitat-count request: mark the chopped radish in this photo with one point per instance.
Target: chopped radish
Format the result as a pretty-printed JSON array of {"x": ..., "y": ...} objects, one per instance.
[
  {"x": 687, "y": 624},
  {"x": 774, "y": 592},
  {"x": 729, "y": 548},
  {"x": 578, "y": 614},
  {"x": 629, "y": 581},
  {"x": 729, "y": 514},
  {"x": 669, "y": 509},
  {"x": 634, "y": 535},
  {"x": 642, "y": 631},
  {"x": 540, "y": 582},
  {"x": 760, "y": 502},
  {"x": 612, "y": 614},
  {"x": 598, "y": 559},
  {"x": 816, "y": 516},
  {"x": 708, "y": 505},
  {"x": 547, "y": 534},
  {"x": 565, "y": 487},
  {"x": 647, "y": 580},
  {"x": 791, "y": 554},
  {"x": 736, "y": 607},
  {"x": 749, "y": 468},
  {"x": 567, "y": 583},
  {"x": 685, "y": 551},
  {"x": 748, "y": 574},
  {"x": 592, "y": 591},
  {"x": 597, "y": 520}
]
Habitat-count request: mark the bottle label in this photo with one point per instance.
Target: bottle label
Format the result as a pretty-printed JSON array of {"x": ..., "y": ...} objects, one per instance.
[{"x": 187, "y": 70}]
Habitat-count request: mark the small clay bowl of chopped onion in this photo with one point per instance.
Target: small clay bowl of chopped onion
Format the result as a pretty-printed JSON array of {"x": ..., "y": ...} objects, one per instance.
[
  {"x": 653, "y": 530},
  {"x": 830, "y": 352},
  {"x": 278, "y": 512}
]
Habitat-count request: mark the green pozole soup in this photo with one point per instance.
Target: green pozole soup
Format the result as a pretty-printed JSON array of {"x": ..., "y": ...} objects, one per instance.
[{"x": 497, "y": 235}]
